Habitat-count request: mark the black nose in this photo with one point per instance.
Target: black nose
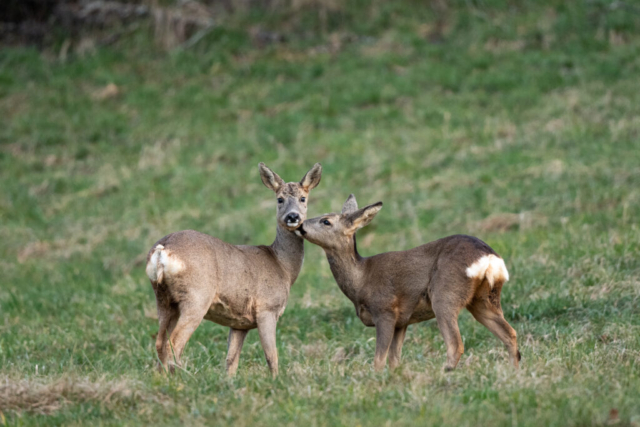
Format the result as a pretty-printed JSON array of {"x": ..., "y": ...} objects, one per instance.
[{"x": 293, "y": 217}]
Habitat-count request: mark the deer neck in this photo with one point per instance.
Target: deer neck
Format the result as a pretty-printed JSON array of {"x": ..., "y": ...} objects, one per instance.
[
  {"x": 289, "y": 251},
  {"x": 348, "y": 268}
]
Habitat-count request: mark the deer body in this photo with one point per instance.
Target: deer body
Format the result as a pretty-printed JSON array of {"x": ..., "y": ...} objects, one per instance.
[
  {"x": 196, "y": 276},
  {"x": 395, "y": 289}
]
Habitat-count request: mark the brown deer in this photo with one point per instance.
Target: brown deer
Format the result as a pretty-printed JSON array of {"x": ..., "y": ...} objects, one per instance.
[
  {"x": 393, "y": 290},
  {"x": 196, "y": 276}
]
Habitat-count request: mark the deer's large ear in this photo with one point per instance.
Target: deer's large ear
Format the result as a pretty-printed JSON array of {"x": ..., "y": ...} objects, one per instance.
[
  {"x": 312, "y": 178},
  {"x": 270, "y": 178},
  {"x": 362, "y": 217},
  {"x": 350, "y": 205}
]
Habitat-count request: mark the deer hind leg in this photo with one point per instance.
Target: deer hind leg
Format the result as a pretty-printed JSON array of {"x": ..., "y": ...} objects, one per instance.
[
  {"x": 234, "y": 346},
  {"x": 395, "y": 351},
  {"x": 167, "y": 317},
  {"x": 447, "y": 319},
  {"x": 490, "y": 315},
  {"x": 267, "y": 330},
  {"x": 188, "y": 320}
]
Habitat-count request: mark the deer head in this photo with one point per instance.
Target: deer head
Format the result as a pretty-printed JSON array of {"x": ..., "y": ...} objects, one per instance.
[
  {"x": 291, "y": 196},
  {"x": 335, "y": 231}
]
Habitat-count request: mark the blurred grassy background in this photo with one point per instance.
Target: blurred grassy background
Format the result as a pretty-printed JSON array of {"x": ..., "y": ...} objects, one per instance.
[{"x": 516, "y": 122}]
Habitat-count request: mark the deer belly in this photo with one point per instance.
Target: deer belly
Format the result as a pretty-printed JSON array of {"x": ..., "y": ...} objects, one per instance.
[
  {"x": 422, "y": 312},
  {"x": 240, "y": 315}
]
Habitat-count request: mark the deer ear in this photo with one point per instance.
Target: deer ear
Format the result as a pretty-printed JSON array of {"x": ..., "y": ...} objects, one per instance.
[
  {"x": 312, "y": 178},
  {"x": 270, "y": 178},
  {"x": 350, "y": 205},
  {"x": 362, "y": 217}
]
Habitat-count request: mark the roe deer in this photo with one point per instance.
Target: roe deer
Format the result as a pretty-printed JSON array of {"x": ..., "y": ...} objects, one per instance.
[
  {"x": 196, "y": 276},
  {"x": 395, "y": 289}
]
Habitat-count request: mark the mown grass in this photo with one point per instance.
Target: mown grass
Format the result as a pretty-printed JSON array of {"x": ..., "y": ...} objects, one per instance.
[{"x": 518, "y": 124}]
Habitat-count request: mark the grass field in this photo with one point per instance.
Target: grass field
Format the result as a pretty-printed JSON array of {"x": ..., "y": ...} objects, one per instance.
[{"x": 520, "y": 125}]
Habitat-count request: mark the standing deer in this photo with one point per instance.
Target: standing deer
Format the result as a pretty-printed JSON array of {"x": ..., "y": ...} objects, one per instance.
[
  {"x": 196, "y": 276},
  {"x": 395, "y": 289}
]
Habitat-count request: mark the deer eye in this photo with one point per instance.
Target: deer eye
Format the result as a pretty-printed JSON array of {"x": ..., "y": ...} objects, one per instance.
[
  {"x": 280, "y": 200},
  {"x": 303, "y": 199},
  {"x": 326, "y": 222}
]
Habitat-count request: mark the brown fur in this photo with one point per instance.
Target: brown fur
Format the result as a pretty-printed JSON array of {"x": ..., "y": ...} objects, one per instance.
[
  {"x": 395, "y": 289},
  {"x": 196, "y": 276}
]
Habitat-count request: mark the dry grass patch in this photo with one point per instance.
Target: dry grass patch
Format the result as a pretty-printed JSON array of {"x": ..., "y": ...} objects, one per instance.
[
  {"x": 501, "y": 222},
  {"x": 46, "y": 396}
]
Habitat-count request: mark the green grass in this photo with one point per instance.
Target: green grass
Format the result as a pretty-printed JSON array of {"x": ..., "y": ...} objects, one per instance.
[{"x": 522, "y": 127}]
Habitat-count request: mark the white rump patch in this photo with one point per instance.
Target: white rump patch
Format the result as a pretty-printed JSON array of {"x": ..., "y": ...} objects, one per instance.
[
  {"x": 171, "y": 263},
  {"x": 152, "y": 265},
  {"x": 489, "y": 267},
  {"x": 163, "y": 262}
]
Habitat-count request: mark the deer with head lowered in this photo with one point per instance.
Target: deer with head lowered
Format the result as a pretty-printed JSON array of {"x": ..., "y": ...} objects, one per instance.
[
  {"x": 196, "y": 276},
  {"x": 395, "y": 289}
]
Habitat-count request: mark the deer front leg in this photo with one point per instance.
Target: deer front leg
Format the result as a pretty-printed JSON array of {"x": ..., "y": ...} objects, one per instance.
[
  {"x": 267, "y": 330},
  {"x": 385, "y": 328},
  {"x": 234, "y": 346},
  {"x": 395, "y": 351}
]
